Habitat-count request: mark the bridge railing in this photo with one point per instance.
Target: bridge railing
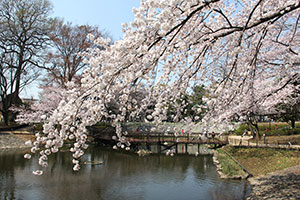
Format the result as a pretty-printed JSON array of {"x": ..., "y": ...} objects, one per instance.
[
  {"x": 155, "y": 136},
  {"x": 172, "y": 137}
]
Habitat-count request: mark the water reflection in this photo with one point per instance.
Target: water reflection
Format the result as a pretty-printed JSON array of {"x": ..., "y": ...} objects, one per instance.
[
  {"x": 179, "y": 148},
  {"x": 122, "y": 176}
]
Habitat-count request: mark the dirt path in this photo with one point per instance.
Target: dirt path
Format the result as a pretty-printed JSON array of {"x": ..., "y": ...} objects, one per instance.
[{"x": 283, "y": 184}]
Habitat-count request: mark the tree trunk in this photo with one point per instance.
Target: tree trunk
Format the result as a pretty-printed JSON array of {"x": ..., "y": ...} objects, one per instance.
[
  {"x": 252, "y": 122},
  {"x": 293, "y": 121},
  {"x": 257, "y": 130},
  {"x": 5, "y": 117},
  {"x": 7, "y": 102},
  {"x": 19, "y": 72}
]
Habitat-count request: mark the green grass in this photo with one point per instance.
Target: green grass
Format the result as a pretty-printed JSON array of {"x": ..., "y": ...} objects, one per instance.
[
  {"x": 270, "y": 130},
  {"x": 229, "y": 167},
  {"x": 100, "y": 125},
  {"x": 260, "y": 161},
  {"x": 39, "y": 126}
]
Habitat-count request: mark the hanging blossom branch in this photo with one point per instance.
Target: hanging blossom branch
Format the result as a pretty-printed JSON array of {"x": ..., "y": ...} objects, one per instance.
[{"x": 170, "y": 47}]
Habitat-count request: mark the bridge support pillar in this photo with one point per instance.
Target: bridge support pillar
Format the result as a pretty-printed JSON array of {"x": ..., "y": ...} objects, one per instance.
[
  {"x": 159, "y": 147},
  {"x": 186, "y": 147}
]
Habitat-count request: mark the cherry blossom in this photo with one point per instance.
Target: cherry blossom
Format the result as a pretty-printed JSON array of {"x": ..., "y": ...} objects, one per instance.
[
  {"x": 245, "y": 52},
  {"x": 50, "y": 97}
]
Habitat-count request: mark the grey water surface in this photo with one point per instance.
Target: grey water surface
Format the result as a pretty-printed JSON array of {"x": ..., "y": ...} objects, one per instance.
[{"x": 123, "y": 175}]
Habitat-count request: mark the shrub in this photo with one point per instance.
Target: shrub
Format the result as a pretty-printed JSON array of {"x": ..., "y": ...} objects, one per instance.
[{"x": 282, "y": 129}]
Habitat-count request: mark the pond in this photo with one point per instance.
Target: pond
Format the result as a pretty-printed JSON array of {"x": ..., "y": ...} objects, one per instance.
[{"x": 123, "y": 175}]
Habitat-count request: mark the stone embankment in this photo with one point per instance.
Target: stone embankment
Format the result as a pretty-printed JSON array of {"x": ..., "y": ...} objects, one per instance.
[
  {"x": 9, "y": 141},
  {"x": 283, "y": 185},
  {"x": 218, "y": 165},
  {"x": 219, "y": 169}
]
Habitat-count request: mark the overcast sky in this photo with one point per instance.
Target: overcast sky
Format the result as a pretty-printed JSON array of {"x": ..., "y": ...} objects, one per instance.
[{"x": 107, "y": 14}]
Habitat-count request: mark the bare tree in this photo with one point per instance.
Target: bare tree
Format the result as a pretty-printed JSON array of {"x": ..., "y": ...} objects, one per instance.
[
  {"x": 24, "y": 25},
  {"x": 65, "y": 60}
]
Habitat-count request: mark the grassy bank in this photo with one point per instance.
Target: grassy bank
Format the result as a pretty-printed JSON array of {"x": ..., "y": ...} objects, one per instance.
[
  {"x": 229, "y": 167},
  {"x": 260, "y": 161}
]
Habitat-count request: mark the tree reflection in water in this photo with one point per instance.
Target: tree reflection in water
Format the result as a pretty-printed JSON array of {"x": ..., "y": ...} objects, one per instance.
[{"x": 123, "y": 175}]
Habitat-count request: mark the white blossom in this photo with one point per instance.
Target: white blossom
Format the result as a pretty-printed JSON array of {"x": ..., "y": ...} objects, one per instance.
[
  {"x": 38, "y": 172},
  {"x": 27, "y": 156}
]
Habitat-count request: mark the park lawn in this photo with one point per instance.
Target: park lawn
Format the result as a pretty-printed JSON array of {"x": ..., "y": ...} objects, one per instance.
[{"x": 260, "y": 161}]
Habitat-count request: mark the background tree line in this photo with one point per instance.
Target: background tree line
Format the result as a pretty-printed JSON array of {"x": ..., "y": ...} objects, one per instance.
[{"x": 34, "y": 45}]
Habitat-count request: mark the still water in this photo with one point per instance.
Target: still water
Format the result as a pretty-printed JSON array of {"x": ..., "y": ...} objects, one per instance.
[{"x": 123, "y": 175}]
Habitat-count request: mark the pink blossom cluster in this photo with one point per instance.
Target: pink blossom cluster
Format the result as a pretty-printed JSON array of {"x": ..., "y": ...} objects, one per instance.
[{"x": 50, "y": 97}]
